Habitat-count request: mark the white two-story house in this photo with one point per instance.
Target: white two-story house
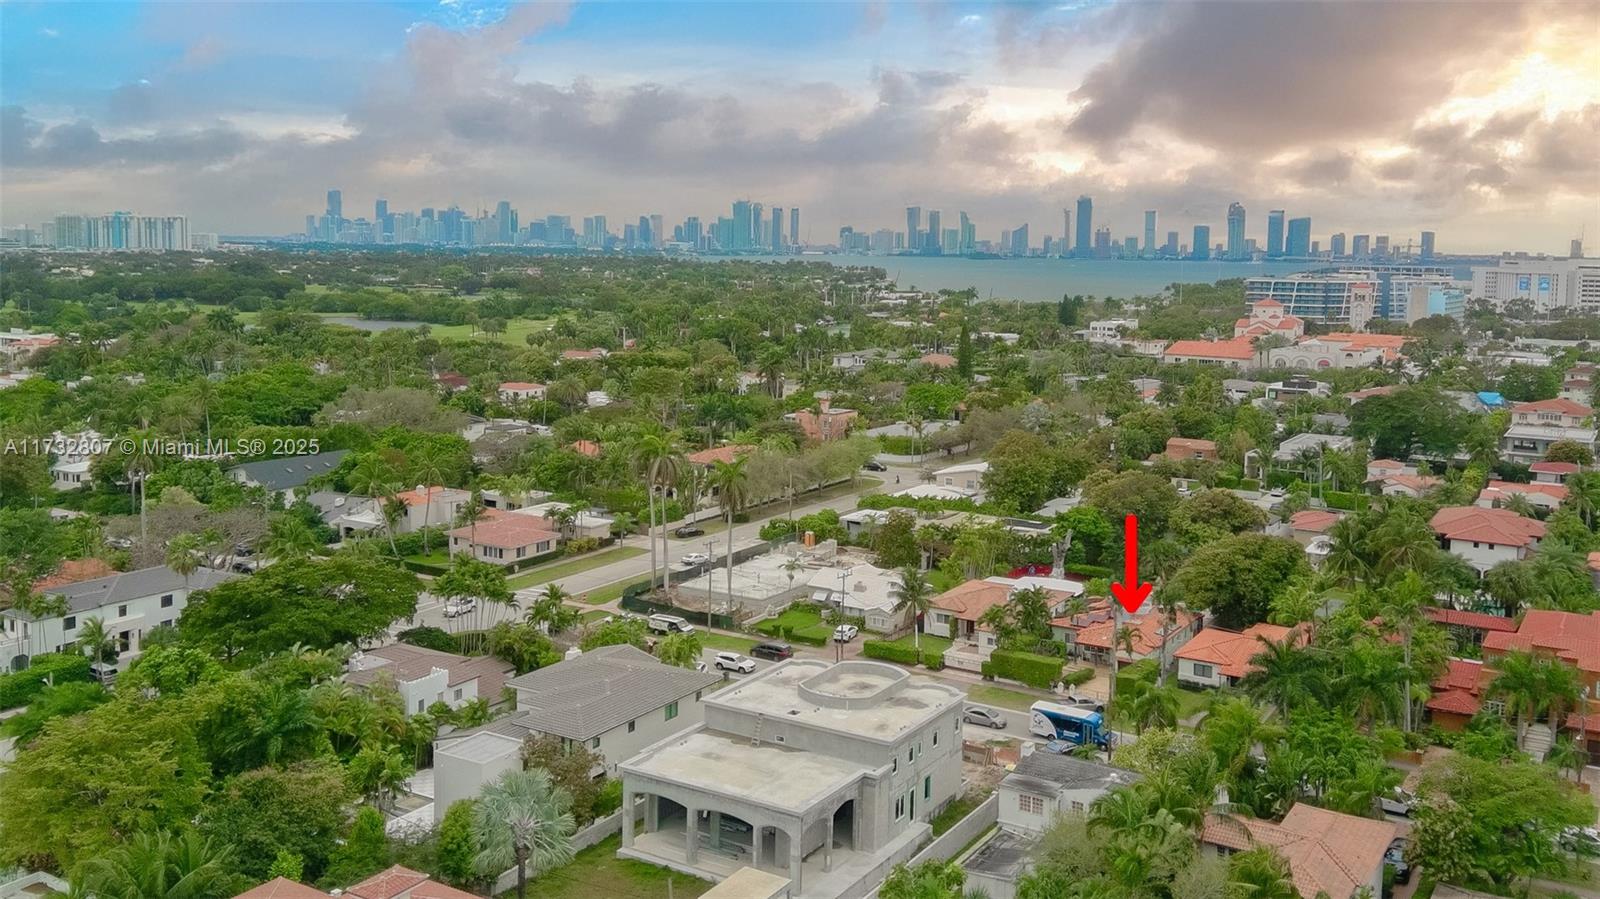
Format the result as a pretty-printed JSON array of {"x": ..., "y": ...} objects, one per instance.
[
  {"x": 1486, "y": 537},
  {"x": 425, "y": 676},
  {"x": 1534, "y": 426},
  {"x": 130, "y": 603}
]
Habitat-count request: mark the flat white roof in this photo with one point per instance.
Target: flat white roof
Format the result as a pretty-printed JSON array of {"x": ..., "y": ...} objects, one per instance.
[
  {"x": 868, "y": 699},
  {"x": 765, "y": 774}
]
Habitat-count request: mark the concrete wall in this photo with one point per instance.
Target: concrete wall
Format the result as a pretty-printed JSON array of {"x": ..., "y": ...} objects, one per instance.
[
  {"x": 585, "y": 837},
  {"x": 1188, "y": 675},
  {"x": 456, "y": 778},
  {"x": 950, "y": 842}
]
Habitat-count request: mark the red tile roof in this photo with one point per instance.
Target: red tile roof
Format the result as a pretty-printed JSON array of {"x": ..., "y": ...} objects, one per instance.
[
  {"x": 938, "y": 360},
  {"x": 1356, "y": 396},
  {"x": 1478, "y": 621},
  {"x": 507, "y": 530},
  {"x": 74, "y": 570},
  {"x": 1563, "y": 406},
  {"x": 1238, "y": 348},
  {"x": 585, "y": 448},
  {"x": 1146, "y": 632},
  {"x": 719, "y": 454},
  {"x": 521, "y": 385},
  {"x": 1366, "y": 341},
  {"x": 1314, "y": 521},
  {"x": 1459, "y": 690},
  {"x": 1555, "y": 468},
  {"x": 1328, "y": 852},
  {"x": 1503, "y": 490},
  {"x": 402, "y": 881},
  {"x": 970, "y": 600},
  {"x": 1231, "y": 651},
  {"x": 1497, "y": 526},
  {"x": 1570, "y": 637},
  {"x": 281, "y": 888},
  {"x": 417, "y": 497},
  {"x": 1416, "y": 483}
]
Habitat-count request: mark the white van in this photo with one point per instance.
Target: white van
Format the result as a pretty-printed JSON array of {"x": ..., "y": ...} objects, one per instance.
[{"x": 670, "y": 624}]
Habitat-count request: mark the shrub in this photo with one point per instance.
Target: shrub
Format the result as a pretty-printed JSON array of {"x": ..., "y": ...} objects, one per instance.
[
  {"x": 1349, "y": 502},
  {"x": 429, "y": 638},
  {"x": 577, "y": 546},
  {"x": 609, "y": 799},
  {"x": 889, "y": 652},
  {"x": 933, "y": 659},
  {"x": 1078, "y": 678},
  {"x": 1143, "y": 670},
  {"x": 21, "y": 687},
  {"x": 1040, "y": 672},
  {"x": 1088, "y": 571}
]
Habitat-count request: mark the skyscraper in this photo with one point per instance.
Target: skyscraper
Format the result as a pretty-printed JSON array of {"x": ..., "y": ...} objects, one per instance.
[
  {"x": 1427, "y": 246},
  {"x": 1082, "y": 246},
  {"x": 743, "y": 228},
  {"x": 335, "y": 204},
  {"x": 1275, "y": 233},
  {"x": 1236, "y": 231},
  {"x": 1019, "y": 240},
  {"x": 380, "y": 210},
  {"x": 1380, "y": 246},
  {"x": 1065, "y": 247},
  {"x": 1576, "y": 250},
  {"x": 658, "y": 226},
  {"x": 1359, "y": 245},
  {"x": 505, "y": 219},
  {"x": 777, "y": 229},
  {"x": 968, "y": 241},
  {"x": 931, "y": 240},
  {"x": 691, "y": 231},
  {"x": 1336, "y": 245},
  {"x": 1297, "y": 238},
  {"x": 1149, "y": 232},
  {"x": 1171, "y": 248},
  {"x": 794, "y": 225},
  {"x": 1202, "y": 242},
  {"x": 913, "y": 226}
]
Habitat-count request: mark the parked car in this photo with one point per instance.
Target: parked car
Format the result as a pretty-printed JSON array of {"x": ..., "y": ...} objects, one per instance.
[
  {"x": 772, "y": 652},
  {"x": 1060, "y": 747},
  {"x": 1395, "y": 857},
  {"x": 983, "y": 717},
  {"x": 1397, "y": 802},
  {"x": 844, "y": 633},
  {"x": 455, "y": 608},
  {"x": 875, "y": 465},
  {"x": 693, "y": 559},
  {"x": 732, "y": 661},
  {"x": 670, "y": 624},
  {"x": 700, "y": 666},
  {"x": 1580, "y": 840},
  {"x": 689, "y": 530},
  {"x": 1277, "y": 493}
]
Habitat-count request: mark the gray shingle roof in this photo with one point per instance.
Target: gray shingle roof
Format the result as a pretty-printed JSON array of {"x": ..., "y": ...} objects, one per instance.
[
  {"x": 291, "y": 471},
  {"x": 86, "y": 596},
  {"x": 1045, "y": 772},
  {"x": 584, "y": 697}
]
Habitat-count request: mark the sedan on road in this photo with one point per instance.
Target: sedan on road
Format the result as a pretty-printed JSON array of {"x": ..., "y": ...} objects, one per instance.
[
  {"x": 688, "y": 530},
  {"x": 984, "y": 717},
  {"x": 773, "y": 652},
  {"x": 455, "y": 608},
  {"x": 732, "y": 661},
  {"x": 875, "y": 465},
  {"x": 844, "y": 633},
  {"x": 692, "y": 559}
]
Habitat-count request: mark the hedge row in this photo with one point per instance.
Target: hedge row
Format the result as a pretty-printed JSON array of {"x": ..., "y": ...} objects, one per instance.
[
  {"x": 889, "y": 652},
  {"x": 1037, "y": 671},
  {"x": 54, "y": 667},
  {"x": 1129, "y": 675},
  {"x": 933, "y": 659}
]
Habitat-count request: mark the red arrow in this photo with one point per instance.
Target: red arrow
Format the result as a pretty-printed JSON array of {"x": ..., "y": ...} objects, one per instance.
[{"x": 1131, "y": 593}]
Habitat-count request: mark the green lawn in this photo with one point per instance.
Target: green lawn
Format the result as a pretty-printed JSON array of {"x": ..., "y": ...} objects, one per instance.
[
  {"x": 516, "y": 332},
  {"x": 1002, "y": 697},
  {"x": 928, "y": 642},
  {"x": 727, "y": 642},
  {"x": 958, "y": 808},
  {"x": 594, "y": 615},
  {"x": 781, "y": 506},
  {"x": 553, "y": 571},
  {"x": 602, "y": 595},
  {"x": 802, "y": 621},
  {"x": 438, "y": 558},
  {"x": 597, "y": 872}
]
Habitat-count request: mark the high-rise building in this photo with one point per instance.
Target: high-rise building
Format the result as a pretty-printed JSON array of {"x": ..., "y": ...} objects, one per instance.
[
  {"x": 1297, "y": 238},
  {"x": 1360, "y": 246},
  {"x": 1130, "y": 247},
  {"x": 1202, "y": 242},
  {"x": 1427, "y": 247},
  {"x": 1576, "y": 250},
  {"x": 1171, "y": 246},
  {"x": 1275, "y": 233},
  {"x": 1019, "y": 240},
  {"x": 1082, "y": 245},
  {"x": 777, "y": 229},
  {"x": 335, "y": 204},
  {"x": 1336, "y": 245},
  {"x": 794, "y": 225},
  {"x": 691, "y": 232},
  {"x": 1064, "y": 249},
  {"x": 969, "y": 235},
  {"x": 1236, "y": 231},
  {"x": 950, "y": 241},
  {"x": 658, "y": 227},
  {"x": 743, "y": 227},
  {"x": 1380, "y": 246},
  {"x": 1102, "y": 243},
  {"x": 913, "y": 225},
  {"x": 380, "y": 211},
  {"x": 1149, "y": 232},
  {"x": 931, "y": 241},
  {"x": 505, "y": 223}
]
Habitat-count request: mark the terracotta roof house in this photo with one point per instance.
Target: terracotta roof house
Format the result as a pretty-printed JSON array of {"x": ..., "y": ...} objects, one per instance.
[
  {"x": 1237, "y": 353},
  {"x": 504, "y": 538},
  {"x": 585, "y": 448},
  {"x": 1221, "y": 658},
  {"x": 1307, "y": 525},
  {"x": 1566, "y": 636},
  {"x": 451, "y": 382},
  {"x": 1329, "y": 853},
  {"x": 403, "y": 883},
  {"x": 1469, "y": 628},
  {"x": 1486, "y": 537},
  {"x": 73, "y": 571},
  {"x": 517, "y": 391},
  {"x": 1180, "y": 448},
  {"x": 728, "y": 453},
  {"x": 938, "y": 360},
  {"x": 955, "y": 613},
  {"x": 1553, "y": 472},
  {"x": 1378, "y": 469},
  {"x": 1093, "y": 634},
  {"x": 1458, "y": 693},
  {"x": 826, "y": 423},
  {"x": 1412, "y": 485},
  {"x": 1541, "y": 495},
  {"x": 281, "y": 888},
  {"x": 1535, "y": 426},
  {"x": 1356, "y": 396}
]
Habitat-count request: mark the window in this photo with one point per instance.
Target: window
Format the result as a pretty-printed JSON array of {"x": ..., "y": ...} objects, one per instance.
[
  {"x": 697, "y": 695},
  {"x": 69, "y": 622},
  {"x": 166, "y": 601},
  {"x": 522, "y": 551},
  {"x": 122, "y": 611},
  {"x": 1077, "y": 806},
  {"x": 936, "y": 736},
  {"x": 595, "y": 743},
  {"x": 894, "y": 765},
  {"x": 672, "y": 710},
  {"x": 900, "y": 808},
  {"x": 630, "y": 726},
  {"x": 1203, "y": 670},
  {"x": 458, "y": 694},
  {"x": 927, "y": 787},
  {"x": 419, "y": 706},
  {"x": 1029, "y": 804}
]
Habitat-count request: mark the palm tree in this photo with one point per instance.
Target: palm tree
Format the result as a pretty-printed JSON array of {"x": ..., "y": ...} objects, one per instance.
[
  {"x": 519, "y": 820},
  {"x": 159, "y": 866},
  {"x": 551, "y": 610},
  {"x": 732, "y": 483},
  {"x": 1583, "y": 495},
  {"x": 284, "y": 725},
  {"x": 914, "y": 593},
  {"x": 1565, "y": 755},
  {"x": 1563, "y": 691},
  {"x": 1520, "y": 504},
  {"x": 96, "y": 641},
  {"x": 1155, "y": 707},
  {"x": 660, "y": 459},
  {"x": 374, "y": 477},
  {"x": 428, "y": 466},
  {"x": 1261, "y": 873},
  {"x": 183, "y": 555},
  {"x": 289, "y": 537},
  {"x": 1284, "y": 675},
  {"x": 1369, "y": 684},
  {"x": 471, "y": 512},
  {"x": 1520, "y": 685},
  {"x": 1233, "y": 728}
]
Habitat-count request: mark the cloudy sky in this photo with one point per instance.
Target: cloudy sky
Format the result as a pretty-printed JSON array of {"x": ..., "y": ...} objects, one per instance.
[{"x": 1479, "y": 121}]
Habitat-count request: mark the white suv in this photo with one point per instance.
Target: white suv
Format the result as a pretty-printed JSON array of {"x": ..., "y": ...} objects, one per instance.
[
  {"x": 844, "y": 633},
  {"x": 455, "y": 608},
  {"x": 732, "y": 661}
]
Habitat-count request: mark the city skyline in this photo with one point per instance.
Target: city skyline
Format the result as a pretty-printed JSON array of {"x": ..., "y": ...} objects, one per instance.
[{"x": 232, "y": 115}]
